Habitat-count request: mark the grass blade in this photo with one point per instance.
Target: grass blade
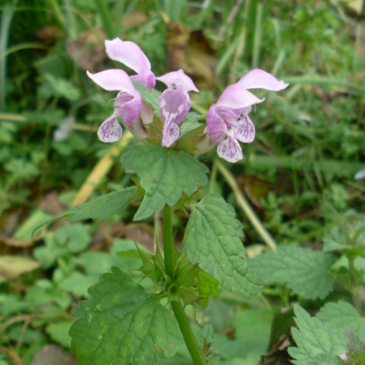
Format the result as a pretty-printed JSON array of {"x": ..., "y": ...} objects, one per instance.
[{"x": 6, "y": 18}]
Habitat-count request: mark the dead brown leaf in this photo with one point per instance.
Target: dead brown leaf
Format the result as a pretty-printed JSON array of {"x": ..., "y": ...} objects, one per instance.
[
  {"x": 354, "y": 7},
  {"x": 53, "y": 354},
  {"x": 49, "y": 34},
  {"x": 133, "y": 20},
  {"x": 254, "y": 187},
  {"x": 190, "y": 50},
  {"x": 88, "y": 51},
  {"x": 51, "y": 204},
  {"x": 13, "y": 266},
  {"x": 141, "y": 233},
  {"x": 177, "y": 38}
]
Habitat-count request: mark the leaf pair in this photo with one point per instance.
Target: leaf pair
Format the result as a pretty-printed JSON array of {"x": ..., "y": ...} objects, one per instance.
[
  {"x": 121, "y": 323},
  {"x": 213, "y": 235}
]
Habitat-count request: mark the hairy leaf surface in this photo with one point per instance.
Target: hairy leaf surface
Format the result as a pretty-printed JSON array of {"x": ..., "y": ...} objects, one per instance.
[
  {"x": 150, "y": 97},
  {"x": 165, "y": 175},
  {"x": 304, "y": 270},
  {"x": 344, "y": 316},
  {"x": 356, "y": 349},
  {"x": 122, "y": 324},
  {"x": 101, "y": 207},
  {"x": 315, "y": 339},
  {"x": 213, "y": 241}
]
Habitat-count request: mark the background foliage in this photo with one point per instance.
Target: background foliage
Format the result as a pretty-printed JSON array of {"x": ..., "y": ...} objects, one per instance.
[{"x": 303, "y": 176}]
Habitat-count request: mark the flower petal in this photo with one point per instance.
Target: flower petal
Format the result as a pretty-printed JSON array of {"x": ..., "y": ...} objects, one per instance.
[
  {"x": 174, "y": 105},
  {"x": 260, "y": 79},
  {"x": 245, "y": 130},
  {"x": 129, "y": 54},
  {"x": 110, "y": 131},
  {"x": 146, "y": 113},
  {"x": 216, "y": 127},
  {"x": 147, "y": 79},
  {"x": 128, "y": 107},
  {"x": 178, "y": 78},
  {"x": 170, "y": 134},
  {"x": 132, "y": 56},
  {"x": 113, "y": 80},
  {"x": 234, "y": 97},
  {"x": 230, "y": 150}
]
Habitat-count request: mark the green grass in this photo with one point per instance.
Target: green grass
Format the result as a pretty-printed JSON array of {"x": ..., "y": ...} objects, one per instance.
[{"x": 297, "y": 178}]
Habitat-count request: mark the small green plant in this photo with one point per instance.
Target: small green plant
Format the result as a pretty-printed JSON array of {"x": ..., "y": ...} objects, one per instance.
[{"x": 123, "y": 322}]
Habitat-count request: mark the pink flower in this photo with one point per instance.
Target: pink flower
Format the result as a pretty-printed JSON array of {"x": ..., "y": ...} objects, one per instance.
[
  {"x": 174, "y": 104},
  {"x": 228, "y": 121},
  {"x": 132, "y": 56},
  {"x": 128, "y": 104}
]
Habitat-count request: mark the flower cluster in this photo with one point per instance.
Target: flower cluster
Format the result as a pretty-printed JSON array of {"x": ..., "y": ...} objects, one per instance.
[{"x": 227, "y": 120}]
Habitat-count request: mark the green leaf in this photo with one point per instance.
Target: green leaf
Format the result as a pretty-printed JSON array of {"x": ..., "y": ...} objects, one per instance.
[
  {"x": 53, "y": 86},
  {"x": 11, "y": 304},
  {"x": 153, "y": 267},
  {"x": 97, "y": 262},
  {"x": 192, "y": 132},
  {"x": 194, "y": 284},
  {"x": 207, "y": 286},
  {"x": 37, "y": 217},
  {"x": 351, "y": 237},
  {"x": 344, "y": 316},
  {"x": 74, "y": 236},
  {"x": 68, "y": 239},
  {"x": 325, "y": 360},
  {"x": 21, "y": 169},
  {"x": 43, "y": 294},
  {"x": 101, "y": 207},
  {"x": 78, "y": 283},
  {"x": 334, "y": 240},
  {"x": 178, "y": 360},
  {"x": 134, "y": 254},
  {"x": 150, "y": 97},
  {"x": 213, "y": 241},
  {"x": 304, "y": 270},
  {"x": 359, "y": 265},
  {"x": 356, "y": 349},
  {"x": 165, "y": 175},
  {"x": 252, "y": 335},
  {"x": 153, "y": 129},
  {"x": 59, "y": 332},
  {"x": 314, "y": 338},
  {"x": 122, "y": 324},
  {"x": 190, "y": 123}
]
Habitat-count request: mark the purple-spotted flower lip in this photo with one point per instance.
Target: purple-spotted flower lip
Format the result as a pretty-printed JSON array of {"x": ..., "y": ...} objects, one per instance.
[
  {"x": 127, "y": 105},
  {"x": 174, "y": 104},
  {"x": 227, "y": 119}
]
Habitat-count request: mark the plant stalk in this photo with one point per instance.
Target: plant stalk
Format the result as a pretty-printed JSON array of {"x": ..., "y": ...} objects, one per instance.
[
  {"x": 182, "y": 320},
  {"x": 189, "y": 338},
  {"x": 168, "y": 245}
]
